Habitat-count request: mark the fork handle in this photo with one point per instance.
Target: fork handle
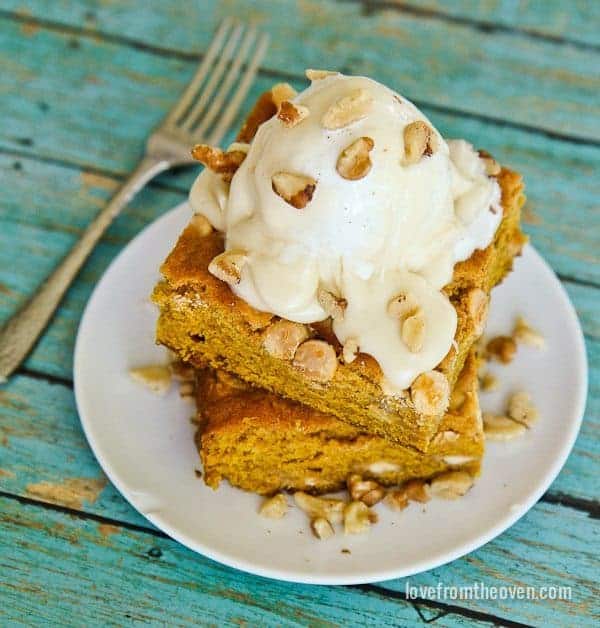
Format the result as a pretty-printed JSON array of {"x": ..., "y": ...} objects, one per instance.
[{"x": 20, "y": 332}]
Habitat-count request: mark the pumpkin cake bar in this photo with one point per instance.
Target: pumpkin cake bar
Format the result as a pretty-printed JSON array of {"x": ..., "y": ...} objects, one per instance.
[
  {"x": 262, "y": 443},
  {"x": 381, "y": 356}
]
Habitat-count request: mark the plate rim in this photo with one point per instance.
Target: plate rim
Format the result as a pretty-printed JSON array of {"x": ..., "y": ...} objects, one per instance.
[{"x": 512, "y": 516}]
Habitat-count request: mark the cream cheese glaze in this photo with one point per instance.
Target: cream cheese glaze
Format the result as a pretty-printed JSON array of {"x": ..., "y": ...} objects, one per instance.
[{"x": 398, "y": 230}]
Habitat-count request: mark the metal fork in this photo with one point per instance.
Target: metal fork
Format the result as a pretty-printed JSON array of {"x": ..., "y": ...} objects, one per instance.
[{"x": 204, "y": 113}]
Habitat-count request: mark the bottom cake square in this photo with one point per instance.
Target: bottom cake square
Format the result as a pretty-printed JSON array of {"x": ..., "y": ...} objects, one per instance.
[{"x": 262, "y": 443}]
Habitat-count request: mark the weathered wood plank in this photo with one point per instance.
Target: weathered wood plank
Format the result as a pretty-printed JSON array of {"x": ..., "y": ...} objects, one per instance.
[
  {"x": 55, "y": 113},
  {"x": 562, "y": 545},
  {"x": 551, "y": 546},
  {"x": 47, "y": 205},
  {"x": 55, "y": 566},
  {"x": 504, "y": 75},
  {"x": 574, "y": 21}
]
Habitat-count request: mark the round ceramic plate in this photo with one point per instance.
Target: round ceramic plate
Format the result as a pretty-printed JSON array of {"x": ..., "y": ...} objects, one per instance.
[{"x": 145, "y": 442}]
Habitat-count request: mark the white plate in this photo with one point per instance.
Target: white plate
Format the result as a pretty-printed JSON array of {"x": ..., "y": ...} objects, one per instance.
[{"x": 144, "y": 442}]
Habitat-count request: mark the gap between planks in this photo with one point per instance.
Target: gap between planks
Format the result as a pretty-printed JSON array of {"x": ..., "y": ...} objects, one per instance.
[
  {"x": 371, "y": 7},
  {"x": 591, "y": 507},
  {"x": 372, "y": 589},
  {"x": 62, "y": 28},
  {"x": 440, "y": 606}
]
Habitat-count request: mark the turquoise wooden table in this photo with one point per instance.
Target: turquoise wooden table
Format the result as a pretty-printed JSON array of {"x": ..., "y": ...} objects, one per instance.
[{"x": 81, "y": 85}]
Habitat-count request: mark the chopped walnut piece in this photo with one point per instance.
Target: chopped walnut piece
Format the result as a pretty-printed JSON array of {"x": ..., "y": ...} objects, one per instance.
[
  {"x": 354, "y": 161},
  {"x": 498, "y": 427},
  {"x": 358, "y": 518},
  {"x": 182, "y": 371},
  {"x": 317, "y": 75},
  {"x": 224, "y": 163},
  {"x": 275, "y": 507},
  {"x": 187, "y": 389},
  {"x": 295, "y": 189},
  {"x": 402, "y": 306},
  {"x": 156, "y": 378},
  {"x": 228, "y": 266},
  {"x": 419, "y": 140},
  {"x": 291, "y": 114},
  {"x": 502, "y": 348},
  {"x": 396, "y": 500},
  {"x": 492, "y": 167},
  {"x": 201, "y": 224},
  {"x": 321, "y": 528},
  {"x": 451, "y": 485},
  {"x": 330, "y": 509},
  {"x": 281, "y": 92},
  {"x": 350, "y": 350},
  {"x": 367, "y": 491},
  {"x": 525, "y": 334},
  {"x": 317, "y": 360},
  {"x": 521, "y": 408},
  {"x": 347, "y": 110},
  {"x": 417, "y": 491},
  {"x": 282, "y": 338},
  {"x": 430, "y": 393},
  {"x": 488, "y": 382},
  {"x": 413, "y": 332},
  {"x": 333, "y": 306},
  {"x": 477, "y": 306}
]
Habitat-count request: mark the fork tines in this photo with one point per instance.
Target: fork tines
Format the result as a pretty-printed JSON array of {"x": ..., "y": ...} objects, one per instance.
[{"x": 213, "y": 97}]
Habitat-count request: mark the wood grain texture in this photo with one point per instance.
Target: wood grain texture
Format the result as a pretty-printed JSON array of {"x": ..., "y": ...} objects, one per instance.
[
  {"x": 59, "y": 569},
  {"x": 548, "y": 18},
  {"x": 47, "y": 205},
  {"x": 41, "y": 441},
  {"x": 122, "y": 562},
  {"x": 498, "y": 74},
  {"x": 60, "y": 114},
  {"x": 81, "y": 85}
]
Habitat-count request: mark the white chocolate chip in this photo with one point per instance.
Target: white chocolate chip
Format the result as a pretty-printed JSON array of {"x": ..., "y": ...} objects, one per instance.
[
  {"x": 317, "y": 360},
  {"x": 282, "y": 338}
]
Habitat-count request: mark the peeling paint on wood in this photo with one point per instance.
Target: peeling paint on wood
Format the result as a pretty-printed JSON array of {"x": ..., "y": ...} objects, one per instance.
[{"x": 73, "y": 492}]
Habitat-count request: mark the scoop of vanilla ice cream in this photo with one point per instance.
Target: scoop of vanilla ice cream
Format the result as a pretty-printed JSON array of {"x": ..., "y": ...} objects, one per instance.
[{"x": 393, "y": 227}]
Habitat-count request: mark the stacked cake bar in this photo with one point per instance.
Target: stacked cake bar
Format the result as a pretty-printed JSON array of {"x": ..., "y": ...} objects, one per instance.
[{"x": 285, "y": 405}]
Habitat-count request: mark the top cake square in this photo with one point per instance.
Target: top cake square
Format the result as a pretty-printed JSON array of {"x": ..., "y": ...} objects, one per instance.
[{"x": 204, "y": 322}]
